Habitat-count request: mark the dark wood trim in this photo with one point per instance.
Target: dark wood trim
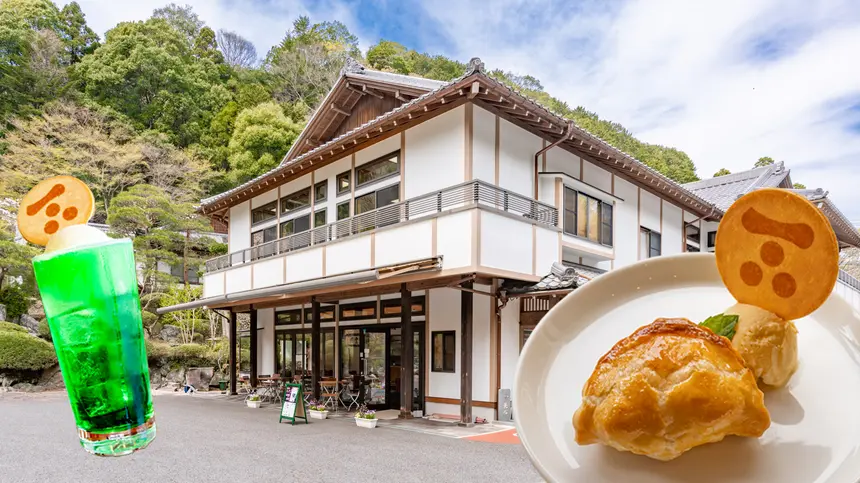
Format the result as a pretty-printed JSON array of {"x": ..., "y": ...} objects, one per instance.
[
  {"x": 231, "y": 338},
  {"x": 448, "y": 400},
  {"x": 316, "y": 335},
  {"x": 253, "y": 348},
  {"x": 407, "y": 356},
  {"x": 466, "y": 315}
]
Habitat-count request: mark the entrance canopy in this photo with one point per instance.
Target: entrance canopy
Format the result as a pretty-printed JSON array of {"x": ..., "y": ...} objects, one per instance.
[{"x": 279, "y": 292}]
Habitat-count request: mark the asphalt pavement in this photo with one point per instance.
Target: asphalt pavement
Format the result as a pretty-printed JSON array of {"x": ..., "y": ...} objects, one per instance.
[{"x": 210, "y": 439}]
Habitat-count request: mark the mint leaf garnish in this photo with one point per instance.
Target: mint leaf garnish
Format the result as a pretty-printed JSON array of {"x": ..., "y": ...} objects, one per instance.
[{"x": 722, "y": 324}]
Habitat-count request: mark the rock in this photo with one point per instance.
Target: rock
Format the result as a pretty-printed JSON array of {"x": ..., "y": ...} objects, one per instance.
[
  {"x": 176, "y": 376},
  {"x": 199, "y": 377},
  {"x": 29, "y": 323},
  {"x": 217, "y": 377},
  {"x": 170, "y": 333},
  {"x": 155, "y": 379},
  {"x": 52, "y": 379},
  {"x": 2, "y": 313},
  {"x": 6, "y": 380},
  {"x": 26, "y": 387}
]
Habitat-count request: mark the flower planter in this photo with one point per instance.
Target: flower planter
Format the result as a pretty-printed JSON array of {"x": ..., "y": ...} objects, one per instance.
[
  {"x": 254, "y": 404},
  {"x": 318, "y": 414},
  {"x": 366, "y": 423}
]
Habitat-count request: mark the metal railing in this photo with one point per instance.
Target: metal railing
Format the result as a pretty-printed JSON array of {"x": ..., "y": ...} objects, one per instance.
[
  {"x": 465, "y": 194},
  {"x": 849, "y": 280}
]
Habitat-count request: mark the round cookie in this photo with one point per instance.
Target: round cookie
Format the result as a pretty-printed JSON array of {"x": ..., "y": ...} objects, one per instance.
[
  {"x": 52, "y": 205},
  {"x": 777, "y": 251}
]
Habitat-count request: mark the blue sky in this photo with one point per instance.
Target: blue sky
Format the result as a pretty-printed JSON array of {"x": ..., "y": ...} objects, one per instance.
[{"x": 726, "y": 81}]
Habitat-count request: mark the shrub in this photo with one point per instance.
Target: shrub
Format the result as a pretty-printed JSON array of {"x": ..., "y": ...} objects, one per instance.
[
  {"x": 45, "y": 330},
  {"x": 192, "y": 355},
  {"x": 16, "y": 301},
  {"x": 10, "y": 327},
  {"x": 22, "y": 351},
  {"x": 156, "y": 352}
]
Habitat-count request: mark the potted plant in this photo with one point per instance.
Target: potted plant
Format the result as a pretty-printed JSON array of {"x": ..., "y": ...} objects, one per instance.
[
  {"x": 253, "y": 401},
  {"x": 365, "y": 418},
  {"x": 317, "y": 410}
]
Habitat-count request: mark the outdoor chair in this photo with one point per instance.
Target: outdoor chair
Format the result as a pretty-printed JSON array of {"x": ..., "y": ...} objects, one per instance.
[
  {"x": 349, "y": 395},
  {"x": 328, "y": 394}
]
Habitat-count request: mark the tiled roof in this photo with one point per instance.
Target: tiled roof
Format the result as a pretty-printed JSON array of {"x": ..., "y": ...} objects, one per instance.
[
  {"x": 391, "y": 78},
  {"x": 724, "y": 190},
  {"x": 560, "y": 277}
]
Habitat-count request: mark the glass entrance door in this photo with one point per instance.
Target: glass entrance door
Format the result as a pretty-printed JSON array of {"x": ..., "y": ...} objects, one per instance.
[{"x": 376, "y": 366}]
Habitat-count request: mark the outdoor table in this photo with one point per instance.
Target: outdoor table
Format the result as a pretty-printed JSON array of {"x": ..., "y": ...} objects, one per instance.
[{"x": 329, "y": 393}]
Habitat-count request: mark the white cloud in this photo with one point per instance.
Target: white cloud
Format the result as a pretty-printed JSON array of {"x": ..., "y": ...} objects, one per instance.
[{"x": 674, "y": 72}]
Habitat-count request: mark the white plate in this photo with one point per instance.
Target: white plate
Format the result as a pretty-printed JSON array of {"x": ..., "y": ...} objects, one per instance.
[{"x": 815, "y": 430}]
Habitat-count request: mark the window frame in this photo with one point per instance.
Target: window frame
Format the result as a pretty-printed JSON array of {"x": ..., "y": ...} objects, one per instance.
[
  {"x": 601, "y": 221},
  {"x": 375, "y": 193},
  {"x": 263, "y": 231},
  {"x": 649, "y": 236},
  {"x": 378, "y": 161},
  {"x": 307, "y": 190},
  {"x": 324, "y": 212},
  {"x": 292, "y": 312},
  {"x": 712, "y": 239},
  {"x": 358, "y": 306},
  {"x": 324, "y": 185},
  {"x": 326, "y": 314},
  {"x": 395, "y": 302},
  {"x": 260, "y": 208},
  {"x": 348, "y": 175},
  {"x": 445, "y": 334},
  {"x": 337, "y": 211},
  {"x": 698, "y": 233},
  {"x": 293, "y": 221}
]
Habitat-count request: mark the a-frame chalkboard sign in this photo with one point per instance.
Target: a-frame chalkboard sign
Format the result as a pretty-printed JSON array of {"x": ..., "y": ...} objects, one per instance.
[{"x": 294, "y": 404}]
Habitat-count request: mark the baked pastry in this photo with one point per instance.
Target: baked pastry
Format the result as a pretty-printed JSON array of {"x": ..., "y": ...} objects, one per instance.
[
  {"x": 767, "y": 343},
  {"x": 668, "y": 387}
]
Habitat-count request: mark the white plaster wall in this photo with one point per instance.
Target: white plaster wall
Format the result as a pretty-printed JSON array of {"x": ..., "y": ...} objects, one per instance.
[
  {"x": 439, "y": 408},
  {"x": 454, "y": 239},
  {"x": 266, "y": 341},
  {"x": 386, "y": 146},
  {"x": 517, "y": 148},
  {"x": 583, "y": 247},
  {"x": 673, "y": 239},
  {"x": 546, "y": 190},
  {"x": 264, "y": 198},
  {"x": 649, "y": 211},
  {"x": 295, "y": 185},
  {"x": 240, "y": 227},
  {"x": 547, "y": 250},
  {"x": 445, "y": 315},
  {"x": 596, "y": 176},
  {"x": 238, "y": 279},
  {"x": 434, "y": 153},
  {"x": 410, "y": 242},
  {"x": 481, "y": 345},
  {"x": 213, "y": 284},
  {"x": 505, "y": 243},
  {"x": 329, "y": 173},
  {"x": 269, "y": 272},
  {"x": 304, "y": 265},
  {"x": 625, "y": 219},
  {"x": 560, "y": 161},
  {"x": 510, "y": 334},
  {"x": 483, "y": 145},
  {"x": 347, "y": 256}
]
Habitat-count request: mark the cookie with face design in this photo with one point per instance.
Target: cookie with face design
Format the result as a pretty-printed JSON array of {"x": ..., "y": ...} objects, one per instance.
[
  {"x": 777, "y": 251},
  {"x": 52, "y": 205}
]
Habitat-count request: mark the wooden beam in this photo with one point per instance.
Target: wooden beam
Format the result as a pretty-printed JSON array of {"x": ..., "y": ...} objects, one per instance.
[
  {"x": 407, "y": 367},
  {"x": 357, "y": 91},
  {"x": 231, "y": 339},
  {"x": 253, "y": 351},
  {"x": 474, "y": 90},
  {"x": 315, "y": 347},
  {"x": 338, "y": 110},
  {"x": 466, "y": 299},
  {"x": 371, "y": 92},
  {"x": 400, "y": 98}
]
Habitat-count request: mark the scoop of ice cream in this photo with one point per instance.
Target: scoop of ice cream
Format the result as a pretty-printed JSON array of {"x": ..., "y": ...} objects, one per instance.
[
  {"x": 75, "y": 235},
  {"x": 767, "y": 343}
]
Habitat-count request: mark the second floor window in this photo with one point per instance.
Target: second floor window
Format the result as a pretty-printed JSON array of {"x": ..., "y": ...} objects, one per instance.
[
  {"x": 263, "y": 236},
  {"x": 342, "y": 182},
  {"x": 321, "y": 191},
  {"x": 295, "y": 201},
  {"x": 377, "y": 169},
  {"x": 264, "y": 213},
  {"x": 296, "y": 225},
  {"x": 692, "y": 232},
  {"x": 712, "y": 239},
  {"x": 343, "y": 210},
  {"x": 377, "y": 199},
  {"x": 320, "y": 218},
  {"x": 650, "y": 244},
  {"x": 587, "y": 217}
]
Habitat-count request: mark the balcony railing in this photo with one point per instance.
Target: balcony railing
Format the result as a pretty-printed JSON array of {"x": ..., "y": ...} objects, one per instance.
[
  {"x": 849, "y": 280},
  {"x": 466, "y": 194}
]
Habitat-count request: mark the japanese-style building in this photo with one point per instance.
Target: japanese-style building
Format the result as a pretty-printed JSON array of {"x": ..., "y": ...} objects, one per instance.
[{"x": 418, "y": 230}]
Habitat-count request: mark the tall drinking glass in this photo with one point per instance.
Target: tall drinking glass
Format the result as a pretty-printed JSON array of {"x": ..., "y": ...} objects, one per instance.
[{"x": 91, "y": 302}]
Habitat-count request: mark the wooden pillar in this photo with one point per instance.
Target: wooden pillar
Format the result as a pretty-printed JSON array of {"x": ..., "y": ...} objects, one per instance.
[
  {"x": 407, "y": 369},
  {"x": 253, "y": 344},
  {"x": 315, "y": 347},
  {"x": 466, "y": 357},
  {"x": 231, "y": 338}
]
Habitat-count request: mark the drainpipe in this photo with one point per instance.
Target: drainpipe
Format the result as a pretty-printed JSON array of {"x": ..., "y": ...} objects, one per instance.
[{"x": 564, "y": 137}]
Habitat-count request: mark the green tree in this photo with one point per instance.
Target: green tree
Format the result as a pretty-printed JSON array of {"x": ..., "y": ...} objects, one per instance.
[
  {"x": 261, "y": 137},
  {"x": 722, "y": 172},
  {"x": 799, "y": 186},
  {"x": 15, "y": 258},
  {"x": 763, "y": 161},
  {"x": 238, "y": 51},
  {"x": 189, "y": 321},
  {"x": 148, "y": 72},
  {"x": 182, "y": 19},
  {"x": 79, "y": 38},
  {"x": 390, "y": 56}
]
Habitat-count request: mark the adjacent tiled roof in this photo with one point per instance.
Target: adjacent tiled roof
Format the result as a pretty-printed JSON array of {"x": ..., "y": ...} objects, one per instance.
[
  {"x": 584, "y": 272},
  {"x": 391, "y": 78},
  {"x": 724, "y": 190}
]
